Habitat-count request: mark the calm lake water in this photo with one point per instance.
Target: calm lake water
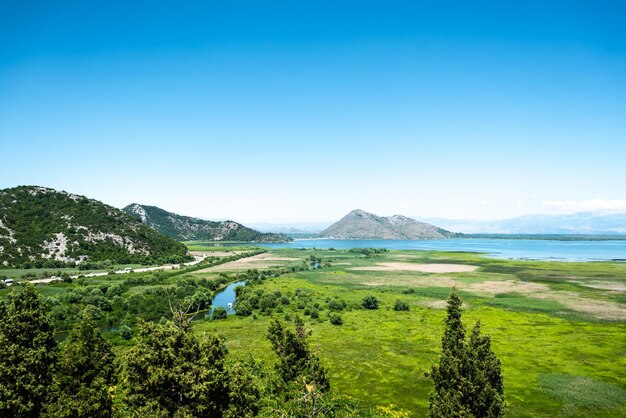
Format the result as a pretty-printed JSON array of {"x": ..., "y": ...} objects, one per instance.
[
  {"x": 498, "y": 248},
  {"x": 226, "y": 296}
]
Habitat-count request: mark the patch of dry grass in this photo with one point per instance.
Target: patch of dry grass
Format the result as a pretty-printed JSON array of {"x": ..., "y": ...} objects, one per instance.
[{"x": 423, "y": 268}]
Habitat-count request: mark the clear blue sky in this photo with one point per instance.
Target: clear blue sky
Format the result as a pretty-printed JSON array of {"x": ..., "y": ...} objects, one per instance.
[{"x": 304, "y": 110}]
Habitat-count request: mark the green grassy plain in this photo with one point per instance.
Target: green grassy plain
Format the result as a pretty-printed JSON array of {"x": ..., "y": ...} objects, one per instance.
[{"x": 551, "y": 351}]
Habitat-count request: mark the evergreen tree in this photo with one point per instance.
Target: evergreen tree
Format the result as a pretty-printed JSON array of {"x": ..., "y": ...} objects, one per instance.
[
  {"x": 488, "y": 400},
  {"x": 451, "y": 376},
  {"x": 467, "y": 380},
  {"x": 297, "y": 363},
  {"x": 27, "y": 355},
  {"x": 246, "y": 387},
  {"x": 84, "y": 374},
  {"x": 171, "y": 372}
]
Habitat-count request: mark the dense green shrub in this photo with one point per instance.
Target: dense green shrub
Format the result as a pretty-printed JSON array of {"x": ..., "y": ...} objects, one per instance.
[
  {"x": 268, "y": 301},
  {"x": 219, "y": 313},
  {"x": 126, "y": 332},
  {"x": 243, "y": 308},
  {"x": 368, "y": 252},
  {"x": 400, "y": 306},
  {"x": 336, "y": 305},
  {"x": 335, "y": 319},
  {"x": 370, "y": 302}
]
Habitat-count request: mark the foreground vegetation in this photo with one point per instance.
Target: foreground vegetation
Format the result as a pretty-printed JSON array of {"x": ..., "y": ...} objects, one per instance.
[
  {"x": 556, "y": 327},
  {"x": 170, "y": 372}
]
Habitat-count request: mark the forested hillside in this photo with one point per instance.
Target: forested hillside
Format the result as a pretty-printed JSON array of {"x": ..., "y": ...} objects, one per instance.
[
  {"x": 186, "y": 228},
  {"x": 49, "y": 228}
]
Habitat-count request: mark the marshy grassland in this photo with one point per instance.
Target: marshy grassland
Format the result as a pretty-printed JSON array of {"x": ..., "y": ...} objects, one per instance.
[{"x": 559, "y": 328}]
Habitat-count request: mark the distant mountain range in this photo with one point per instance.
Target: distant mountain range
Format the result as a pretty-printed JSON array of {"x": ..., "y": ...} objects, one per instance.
[
  {"x": 359, "y": 224},
  {"x": 578, "y": 223},
  {"x": 299, "y": 228},
  {"x": 185, "y": 228},
  {"x": 42, "y": 226}
]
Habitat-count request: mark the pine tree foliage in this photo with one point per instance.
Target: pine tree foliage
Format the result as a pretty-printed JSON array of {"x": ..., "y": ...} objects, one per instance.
[
  {"x": 468, "y": 380},
  {"x": 84, "y": 375},
  {"x": 27, "y": 353},
  {"x": 488, "y": 380},
  {"x": 172, "y": 373},
  {"x": 246, "y": 388},
  {"x": 297, "y": 363}
]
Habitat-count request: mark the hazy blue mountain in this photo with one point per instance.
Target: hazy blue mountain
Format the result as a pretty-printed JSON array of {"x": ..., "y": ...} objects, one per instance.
[
  {"x": 578, "y": 223},
  {"x": 292, "y": 228}
]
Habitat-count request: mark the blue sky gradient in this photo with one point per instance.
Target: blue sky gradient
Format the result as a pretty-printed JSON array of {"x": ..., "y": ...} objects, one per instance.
[{"x": 302, "y": 111}]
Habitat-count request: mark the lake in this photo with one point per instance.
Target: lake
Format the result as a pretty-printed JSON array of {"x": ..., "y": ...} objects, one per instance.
[{"x": 522, "y": 249}]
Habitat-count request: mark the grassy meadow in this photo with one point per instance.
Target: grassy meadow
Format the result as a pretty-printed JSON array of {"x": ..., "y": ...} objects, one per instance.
[{"x": 558, "y": 328}]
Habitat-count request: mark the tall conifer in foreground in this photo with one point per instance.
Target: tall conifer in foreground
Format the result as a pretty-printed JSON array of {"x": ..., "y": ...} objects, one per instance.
[
  {"x": 302, "y": 388},
  {"x": 172, "y": 372},
  {"x": 27, "y": 354},
  {"x": 468, "y": 380},
  {"x": 297, "y": 362},
  {"x": 83, "y": 375},
  {"x": 488, "y": 400}
]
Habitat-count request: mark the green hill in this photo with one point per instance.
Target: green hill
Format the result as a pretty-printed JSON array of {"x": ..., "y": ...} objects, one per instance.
[
  {"x": 186, "y": 228},
  {"x": 39, "y": 224}
]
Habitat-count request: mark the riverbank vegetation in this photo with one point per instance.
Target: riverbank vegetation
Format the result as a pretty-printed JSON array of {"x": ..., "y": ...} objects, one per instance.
[{"x": 115, "y": 300}]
